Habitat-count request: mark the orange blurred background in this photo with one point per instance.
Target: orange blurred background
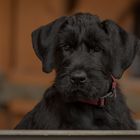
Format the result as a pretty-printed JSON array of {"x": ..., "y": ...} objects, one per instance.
[{"x": 22, "y": 81}]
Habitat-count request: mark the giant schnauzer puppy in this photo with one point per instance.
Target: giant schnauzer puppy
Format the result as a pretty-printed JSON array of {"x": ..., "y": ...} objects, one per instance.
[{"x": 87, "y": 54}]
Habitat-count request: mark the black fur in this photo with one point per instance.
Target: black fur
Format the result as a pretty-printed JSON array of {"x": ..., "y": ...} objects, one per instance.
[{"x": 85, "y": 52}]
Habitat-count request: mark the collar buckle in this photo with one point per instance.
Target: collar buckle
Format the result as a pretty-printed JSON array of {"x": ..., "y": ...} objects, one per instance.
[{"x": 101, "y": 102}]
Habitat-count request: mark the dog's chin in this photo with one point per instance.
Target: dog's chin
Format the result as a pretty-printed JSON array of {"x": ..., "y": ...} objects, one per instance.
[
  {"x": 76, "y": 95},
  {"x": 72, "y": 93}
]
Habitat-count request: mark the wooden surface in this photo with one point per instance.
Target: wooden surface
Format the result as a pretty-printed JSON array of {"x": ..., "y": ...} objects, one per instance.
[
  {"x": 70, "y": 132},
  {"x": 69, "y": 135},
  {"x": 20, "y": 17}
]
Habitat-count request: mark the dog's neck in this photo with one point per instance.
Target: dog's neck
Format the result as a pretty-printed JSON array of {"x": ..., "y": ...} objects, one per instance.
[{"x": 105, "y": 100}]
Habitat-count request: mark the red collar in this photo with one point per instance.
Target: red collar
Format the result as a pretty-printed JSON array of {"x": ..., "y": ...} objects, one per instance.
[{"x": 103, "y": 101}]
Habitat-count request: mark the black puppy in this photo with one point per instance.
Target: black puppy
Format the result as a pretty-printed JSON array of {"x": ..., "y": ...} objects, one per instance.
[{"x": 87, "y": 54}]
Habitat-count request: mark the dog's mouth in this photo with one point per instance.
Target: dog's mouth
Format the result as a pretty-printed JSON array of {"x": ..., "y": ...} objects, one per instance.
[
  {"x": 79, "y": 90},
  {"x": 77, "y": 94},
  {"x": 83, "y": 90}
]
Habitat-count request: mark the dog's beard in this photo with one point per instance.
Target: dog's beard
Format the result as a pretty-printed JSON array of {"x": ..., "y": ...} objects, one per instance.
[{"x": 72, "y": 92}]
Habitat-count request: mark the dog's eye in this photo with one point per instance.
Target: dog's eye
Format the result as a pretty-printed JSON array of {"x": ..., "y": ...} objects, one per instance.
[
  {"x": 66, "y": 47},
  {"x": 97, "y": 48}
]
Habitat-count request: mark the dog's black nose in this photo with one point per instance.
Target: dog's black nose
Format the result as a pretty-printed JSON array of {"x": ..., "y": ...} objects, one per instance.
[{"x": 78, "y": 77}]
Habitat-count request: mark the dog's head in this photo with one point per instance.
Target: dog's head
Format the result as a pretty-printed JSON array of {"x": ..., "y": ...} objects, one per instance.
[{"x": 85, "y": 53}]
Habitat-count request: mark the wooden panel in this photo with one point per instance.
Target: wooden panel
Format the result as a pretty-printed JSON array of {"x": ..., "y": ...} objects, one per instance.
[
  {"x": 5, "y": 34},
  {"x": 105, "y": 9},
  {"x": 21, "y": 17},
  {"x": 70, "y": 135},
  {"x": 30, "y": 14}
]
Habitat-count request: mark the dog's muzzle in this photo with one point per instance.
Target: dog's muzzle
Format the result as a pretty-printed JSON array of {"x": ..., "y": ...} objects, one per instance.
[{"x": 78, "y": 77}]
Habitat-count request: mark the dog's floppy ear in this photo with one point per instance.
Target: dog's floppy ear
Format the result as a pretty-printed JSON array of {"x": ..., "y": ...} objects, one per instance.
[
  {"x": 44, "y": 41},
  {"x": 123, "y": 48}
]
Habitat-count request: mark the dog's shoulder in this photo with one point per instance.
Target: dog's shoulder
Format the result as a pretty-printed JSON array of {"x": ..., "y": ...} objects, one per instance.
[
  {"x": 44, "y": 115},
  {"x": 50, "y": 94}
]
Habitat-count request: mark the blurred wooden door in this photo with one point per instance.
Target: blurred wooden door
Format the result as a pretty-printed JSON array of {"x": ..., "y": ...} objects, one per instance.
[{"x": 20, "y": 17}]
